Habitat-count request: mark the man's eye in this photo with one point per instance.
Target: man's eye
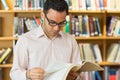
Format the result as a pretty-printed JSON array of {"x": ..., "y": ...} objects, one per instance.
[
  {"x": 63, "y": 22},
  {"x": 52, "y": 22}
]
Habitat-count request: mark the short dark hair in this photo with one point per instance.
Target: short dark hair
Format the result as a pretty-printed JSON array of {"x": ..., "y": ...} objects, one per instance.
[{"x": 58, "y": 5}]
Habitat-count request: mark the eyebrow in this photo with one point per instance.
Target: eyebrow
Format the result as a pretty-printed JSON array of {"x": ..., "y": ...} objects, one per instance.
[{"x": 56, "y": 22}]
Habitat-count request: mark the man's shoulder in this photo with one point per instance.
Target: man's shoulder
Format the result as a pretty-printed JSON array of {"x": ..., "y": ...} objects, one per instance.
[
  {"x": 66, "y": 35},
  {"x": 34, "y": 33}
]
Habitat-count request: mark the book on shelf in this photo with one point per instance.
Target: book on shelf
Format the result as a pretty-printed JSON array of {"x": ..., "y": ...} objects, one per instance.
[
  {"x": 6, "y": 59},
  {"x": 98, "y": 26},
  {"x": 5, "y": 5},
  {"x": 0, "y": 26},
  {"x": 19, "y": 26},
  {"x": 94, "y": 54},
  {"x": 91, "y": 26},
  {"x": 82, "y": 56},
  {"x": 69, "y": 4},
  {"x": 6, "y": 53},
  {"x": 28, "y": 4},
  {"x": 112, "y": 52},
  {"x": 61, "y": 70},
  {"x": 67, "y": 26},
  {"x": 97, "y": 75},
  {"x": 117, "y": 55},
  {"x": 95, "y": 27},
  {"x": 97, "y": 53},
  {"x": 88, "y": 56},
  {"x": 2, "y": 51}
]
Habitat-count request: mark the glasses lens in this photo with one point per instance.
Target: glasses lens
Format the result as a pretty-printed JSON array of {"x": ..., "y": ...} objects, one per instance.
[
  {"x": 52, "y": 23},
  {"x": 62, "y": 24}
]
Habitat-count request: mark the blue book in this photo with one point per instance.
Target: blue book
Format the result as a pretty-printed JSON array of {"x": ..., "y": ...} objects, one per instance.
[{"x": 97, "y": 75}]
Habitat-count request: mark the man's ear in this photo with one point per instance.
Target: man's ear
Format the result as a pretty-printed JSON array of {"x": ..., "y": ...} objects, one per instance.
[{"x": 42, "y": 17}]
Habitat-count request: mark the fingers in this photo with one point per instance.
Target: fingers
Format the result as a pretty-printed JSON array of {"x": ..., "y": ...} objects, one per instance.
[
  {"x": 36, "y": 74},
  {"x": 72, "y": 75}
]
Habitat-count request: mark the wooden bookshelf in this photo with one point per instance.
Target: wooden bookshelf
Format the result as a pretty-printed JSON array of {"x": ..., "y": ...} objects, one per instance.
[{"x": 7, "y": 32}]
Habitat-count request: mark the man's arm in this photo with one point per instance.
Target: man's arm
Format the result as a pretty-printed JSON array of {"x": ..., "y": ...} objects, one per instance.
[{"x": 20, "y": 60}]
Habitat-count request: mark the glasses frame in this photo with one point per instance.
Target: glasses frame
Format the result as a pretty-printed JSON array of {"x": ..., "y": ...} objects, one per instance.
[{"x": 61, "y": 24}]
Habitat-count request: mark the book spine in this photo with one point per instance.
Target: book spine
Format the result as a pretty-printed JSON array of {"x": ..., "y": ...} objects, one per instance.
[
  {"x": 95, "y": 27},
  {"x": 67, "y": 26},
  {"x": 80, "y": 25},
  {"x": 98, "y": 26},
  {"x": 101, "y": 5},
  {"x": 5, "y": 54},
  {"x": 88, "y": 5},
  {"x": 5, "y": 4},
  {"x": 91, "y": 26}
]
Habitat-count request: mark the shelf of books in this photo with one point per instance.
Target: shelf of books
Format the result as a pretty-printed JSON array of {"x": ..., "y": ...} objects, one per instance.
[{"x": 95, "y": 25}]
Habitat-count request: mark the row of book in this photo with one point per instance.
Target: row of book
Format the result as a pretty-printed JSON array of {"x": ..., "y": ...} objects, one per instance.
[
  {"x": 22, "y": 25},
  {"x": 91, "y": 75},
  {"x": 5, "y": 54},
  {"x": 111, "y": 73},
  {"x": 113, "y": 53},
  {"x": 94, "y": 4},
  {"x": 85, "y": 26},
  {"x": 28, "y": 4},
  {"x": 90, "y": 52},
  {"x": 73, "y": 4},
  {"x": 113, "y": 26}
]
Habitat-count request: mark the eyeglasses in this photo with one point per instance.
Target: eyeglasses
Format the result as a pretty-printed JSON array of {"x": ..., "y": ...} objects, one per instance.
[{"x": 53, "y": 23}]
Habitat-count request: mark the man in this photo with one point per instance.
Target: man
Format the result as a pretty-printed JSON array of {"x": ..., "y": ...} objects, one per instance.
[{"x": 39, "y": 47}]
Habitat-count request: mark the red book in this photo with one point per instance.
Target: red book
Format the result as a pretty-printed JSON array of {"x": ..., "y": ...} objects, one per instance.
[{"x": 112, "y": 77}]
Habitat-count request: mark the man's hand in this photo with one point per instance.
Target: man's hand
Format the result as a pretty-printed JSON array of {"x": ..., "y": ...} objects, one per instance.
[
  {"x": 35, "y": 73},
  {"x": 72, "y": 75}
]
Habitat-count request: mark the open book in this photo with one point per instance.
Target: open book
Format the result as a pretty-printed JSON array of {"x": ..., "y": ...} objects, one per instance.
[{"x": 60, "y": 70}]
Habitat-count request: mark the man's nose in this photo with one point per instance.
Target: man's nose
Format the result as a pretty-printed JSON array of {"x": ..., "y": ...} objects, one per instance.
[{"x": 56, "y": 27}]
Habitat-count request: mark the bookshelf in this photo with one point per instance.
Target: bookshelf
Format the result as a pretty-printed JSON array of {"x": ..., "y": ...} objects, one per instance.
[{"x": 7, "y": 32}]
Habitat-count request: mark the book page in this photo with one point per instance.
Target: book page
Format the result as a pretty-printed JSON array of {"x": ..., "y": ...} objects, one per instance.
[{"x": 58, "y": 71}]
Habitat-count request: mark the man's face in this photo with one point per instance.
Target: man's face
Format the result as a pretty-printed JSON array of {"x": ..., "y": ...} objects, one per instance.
[{"x": 53, "y": 22}]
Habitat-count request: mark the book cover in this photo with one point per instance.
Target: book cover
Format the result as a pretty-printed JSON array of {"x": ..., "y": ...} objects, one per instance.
[
  {"x": 7, "y": 52},
  {"x": 69, "y": 4},
  {"x": 97, "y": 53},
  {"x": 98, "y": 26},
  {"x": 97, "y": 75},
  {"x": 5, "y": 4},
  {"x": 91, "y": 26},
  {"x": 7, "y": 58},
  {"x": 112, "y": 51},
  {"x": 95, "y": 27},
  {"x": 67, "y": 26},
  {"x": 80, "y": 19},
  {"x": 101, "y": 5},
  {"x": 88, "y": 56},
  {"x": 60, "y": 70},
  {"x": 82, "y": 56},
  {"x": 2, "y": 51}
]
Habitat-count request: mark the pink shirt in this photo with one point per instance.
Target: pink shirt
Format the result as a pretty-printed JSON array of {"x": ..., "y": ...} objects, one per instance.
[{"x": 35, "y": 49}]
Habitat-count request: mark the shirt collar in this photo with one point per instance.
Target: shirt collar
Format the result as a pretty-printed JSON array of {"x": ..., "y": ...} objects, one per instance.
[{"x": 39, "y": 32}]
